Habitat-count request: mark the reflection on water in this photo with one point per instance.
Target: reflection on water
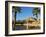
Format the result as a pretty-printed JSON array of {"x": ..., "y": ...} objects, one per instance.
[{"x": 22, "y": 27}]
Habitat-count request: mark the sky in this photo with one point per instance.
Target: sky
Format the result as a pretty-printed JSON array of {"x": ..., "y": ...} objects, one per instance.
[{"x": 25, "y": 13}]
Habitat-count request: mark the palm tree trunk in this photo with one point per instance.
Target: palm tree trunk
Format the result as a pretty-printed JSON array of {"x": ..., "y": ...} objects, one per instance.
[
  {"x": 36, "y": 16},
  {"x": 15, "y": 16},
  {"x": 15, "y": 20}
]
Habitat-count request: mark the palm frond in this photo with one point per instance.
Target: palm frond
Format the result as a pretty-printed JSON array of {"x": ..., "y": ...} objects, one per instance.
[
  {"x": 17, "y": 9},
  {"x": 36, "y": 11}
]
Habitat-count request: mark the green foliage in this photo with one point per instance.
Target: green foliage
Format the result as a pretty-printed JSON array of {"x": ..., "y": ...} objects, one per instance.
[
  {"x": 17, "y": 9},
  {"x": 36, "y": 11}
]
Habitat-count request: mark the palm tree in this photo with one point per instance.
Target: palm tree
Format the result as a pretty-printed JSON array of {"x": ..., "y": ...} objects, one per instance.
[
  {"x": 36, "y": 11},
  {"x": 16, "y": 10}
]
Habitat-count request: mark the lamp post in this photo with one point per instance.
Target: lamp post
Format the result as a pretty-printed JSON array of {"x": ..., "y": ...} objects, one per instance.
[{"x": 27, "y": 24}]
